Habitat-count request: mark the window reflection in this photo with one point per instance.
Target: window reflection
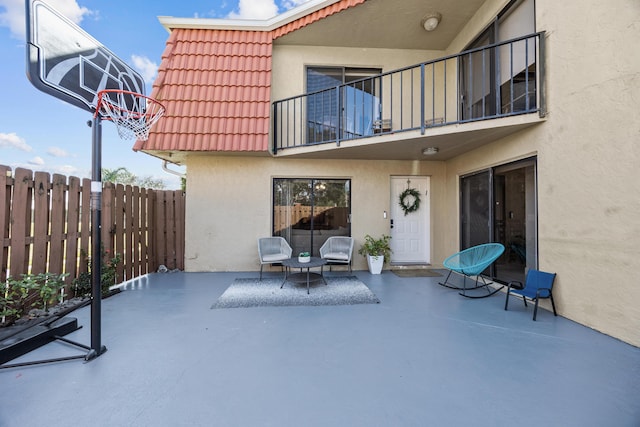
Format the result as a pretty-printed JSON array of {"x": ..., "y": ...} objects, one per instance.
[{"x": 307, "y": 211}]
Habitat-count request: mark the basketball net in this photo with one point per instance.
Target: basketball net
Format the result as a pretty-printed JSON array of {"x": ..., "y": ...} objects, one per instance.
[{"x": 133, "y": 114}]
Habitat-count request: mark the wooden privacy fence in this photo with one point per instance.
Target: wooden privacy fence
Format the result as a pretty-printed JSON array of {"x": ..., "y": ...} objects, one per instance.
[{"x": 45, "y": 226}]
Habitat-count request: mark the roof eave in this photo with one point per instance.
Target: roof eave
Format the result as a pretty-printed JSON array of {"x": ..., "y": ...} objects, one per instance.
[{"x": 170, "y": 22}]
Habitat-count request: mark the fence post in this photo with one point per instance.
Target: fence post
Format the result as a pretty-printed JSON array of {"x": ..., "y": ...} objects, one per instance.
[
  {"x": 85, "y": 233},
  {"x": 118, "y": 228},
  {"x": 135, "y": 232},
  {"x": 73, "y": 219},
  {"x": 151, "y": 224},
  {"x": 21, "y": 222},
  {"x": 127, "y": 233},
  {"x": 144, "y": 231},
  {"x": 57, "y": 217},
  {"x": 5, "y": 205},
  {"x": 41, "y": 219}
]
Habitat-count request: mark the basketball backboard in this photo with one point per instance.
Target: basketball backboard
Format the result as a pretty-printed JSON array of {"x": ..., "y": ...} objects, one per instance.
[{"x": 66, "y": 62}]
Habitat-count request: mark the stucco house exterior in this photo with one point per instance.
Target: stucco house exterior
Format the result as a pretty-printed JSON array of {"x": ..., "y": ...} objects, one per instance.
[{"x": 517, "y": 121}]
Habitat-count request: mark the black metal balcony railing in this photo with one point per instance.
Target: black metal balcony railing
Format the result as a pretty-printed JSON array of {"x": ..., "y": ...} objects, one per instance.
[{"x": 497, "y": 80}]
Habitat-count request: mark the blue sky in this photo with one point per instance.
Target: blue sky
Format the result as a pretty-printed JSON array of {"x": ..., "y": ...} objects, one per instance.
[{"x": 42, "y": 133}]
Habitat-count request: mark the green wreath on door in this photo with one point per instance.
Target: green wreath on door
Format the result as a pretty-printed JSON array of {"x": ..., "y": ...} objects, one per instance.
[{"x": 410, "y": 200}]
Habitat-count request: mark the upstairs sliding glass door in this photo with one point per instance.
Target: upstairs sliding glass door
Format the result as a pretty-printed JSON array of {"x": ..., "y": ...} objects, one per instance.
[
  {"x": 345, "y": 113},
  {"x": 503, "y": 80}
]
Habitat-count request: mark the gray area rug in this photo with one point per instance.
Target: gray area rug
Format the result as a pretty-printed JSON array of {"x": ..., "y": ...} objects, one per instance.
[{"x": 255, "y": 293}]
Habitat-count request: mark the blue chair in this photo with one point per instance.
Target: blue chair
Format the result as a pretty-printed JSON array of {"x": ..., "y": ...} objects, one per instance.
[
  {"x": 472, "y": 262},
  {"x": 538, "y": 284}
]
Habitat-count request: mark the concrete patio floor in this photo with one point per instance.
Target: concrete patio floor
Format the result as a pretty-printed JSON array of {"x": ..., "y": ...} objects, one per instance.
[{"x": 424, "y": 356}]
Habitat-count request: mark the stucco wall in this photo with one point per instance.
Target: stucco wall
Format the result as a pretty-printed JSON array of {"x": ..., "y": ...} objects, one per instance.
[
  {"x": 588, "y": 163},
  {"x": 229, "y": 204},
  {"x": 589, "y": 172}
]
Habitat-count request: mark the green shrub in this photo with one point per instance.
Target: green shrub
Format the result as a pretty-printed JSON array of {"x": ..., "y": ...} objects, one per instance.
[
  {"x": 108, "y": 274},
  {"x": 376, "y": 247},
  {"x": 46, "y": 285}
]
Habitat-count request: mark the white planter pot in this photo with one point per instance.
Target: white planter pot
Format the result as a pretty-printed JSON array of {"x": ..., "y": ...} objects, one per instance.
[
  {"x": 375, "y": 264},
  {"x": 304, "y": 259}
]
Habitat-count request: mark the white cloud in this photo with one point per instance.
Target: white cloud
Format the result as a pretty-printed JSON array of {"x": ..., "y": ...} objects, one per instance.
[
  {"x": 13, "y": 17},
  {"x": 71, "y": 9},
  {"x": 36, "y": 161},
  {"x": 14, "y": 11},
  {"x": 146, "y": 67},
  {"x": 12, "y": 140},
  {"x": 290, "y": 4},
  {"x": 67, "y": 170},
  {"x": 262, "y": 9},
  {"x": 57, "y": 152},
  {"x": 255, "y": 9}
]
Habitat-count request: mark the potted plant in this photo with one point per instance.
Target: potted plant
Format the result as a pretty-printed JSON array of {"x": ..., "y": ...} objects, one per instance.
[
  {"x": 377, "y": 252},
  {"x": 304, "y": 257}
]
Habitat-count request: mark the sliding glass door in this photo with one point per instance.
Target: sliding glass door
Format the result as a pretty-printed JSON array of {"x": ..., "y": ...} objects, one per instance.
[
  {"x": 307, "y": 211},
  {"x": 475, "y": 215},
  {"x": 345, "y": 113},
  {"x": 477, "y": 79},
  {"x": 502, "y": 80},
  {"x": 500, "y": 205}
]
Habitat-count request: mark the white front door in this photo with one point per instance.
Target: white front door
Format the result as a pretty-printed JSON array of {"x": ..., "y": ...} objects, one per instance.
[{"x": 410, "y": 233}]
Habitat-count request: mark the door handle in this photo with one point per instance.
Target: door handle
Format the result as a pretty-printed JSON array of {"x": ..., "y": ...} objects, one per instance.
[{"x": 391, "y": 224}]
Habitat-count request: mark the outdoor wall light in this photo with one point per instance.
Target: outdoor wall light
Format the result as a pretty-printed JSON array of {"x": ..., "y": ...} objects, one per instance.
[
  {"x": 431, "y": 21},
  {"x": 430, "y": 151}
]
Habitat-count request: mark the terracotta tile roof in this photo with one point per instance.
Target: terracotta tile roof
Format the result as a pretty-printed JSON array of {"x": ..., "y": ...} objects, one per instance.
[
  {"x": 315, "y": 16},
  {"x": 215, "y": 86}
]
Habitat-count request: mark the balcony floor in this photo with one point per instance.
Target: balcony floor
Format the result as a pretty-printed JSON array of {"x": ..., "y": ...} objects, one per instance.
[
  {"x": 452, "y": 140},
  {"x": 423, "y": 356}
]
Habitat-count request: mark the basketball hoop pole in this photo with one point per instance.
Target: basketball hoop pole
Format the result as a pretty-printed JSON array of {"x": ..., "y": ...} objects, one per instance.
[
  {"x": 67, "y": 63},
  {"x": 133, "y": 120},
  {"x": 96, "y": 348},
  {"x": 96, "y": 239}
]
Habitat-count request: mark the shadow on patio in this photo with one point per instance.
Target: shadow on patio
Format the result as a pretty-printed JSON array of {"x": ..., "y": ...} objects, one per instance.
[{"x": 423, "y": 356}]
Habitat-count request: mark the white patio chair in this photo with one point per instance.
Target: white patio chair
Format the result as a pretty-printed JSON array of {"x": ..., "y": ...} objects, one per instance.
[
  {"x": 272, "y": 250},
  {"x": 337, "y": 250}
]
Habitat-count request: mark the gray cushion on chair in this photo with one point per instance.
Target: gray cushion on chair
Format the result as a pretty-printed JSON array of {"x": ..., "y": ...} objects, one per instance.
[
  {"x": 274, "y": 257},
  {"x": 337, "y": 255}
]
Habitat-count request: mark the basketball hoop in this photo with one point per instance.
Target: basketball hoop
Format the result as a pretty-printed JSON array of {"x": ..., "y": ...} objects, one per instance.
[{"x": 132, "y": 113}]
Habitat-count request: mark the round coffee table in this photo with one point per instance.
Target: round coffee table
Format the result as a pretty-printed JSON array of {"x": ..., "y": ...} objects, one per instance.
[{"x": 303, "y": 277}]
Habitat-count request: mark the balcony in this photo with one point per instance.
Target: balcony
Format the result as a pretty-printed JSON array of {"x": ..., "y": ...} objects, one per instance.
[{"x": 456, "y": 103}]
